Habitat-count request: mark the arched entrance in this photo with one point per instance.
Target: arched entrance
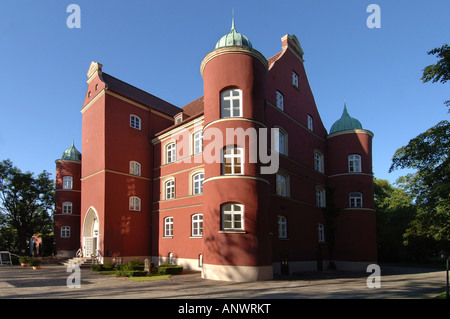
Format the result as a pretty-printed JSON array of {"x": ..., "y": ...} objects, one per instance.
[{"x": 90, "y": 233}]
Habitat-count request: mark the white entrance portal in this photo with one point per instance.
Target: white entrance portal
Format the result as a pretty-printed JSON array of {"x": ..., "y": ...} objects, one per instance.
[{"x": 90, "y": 233}]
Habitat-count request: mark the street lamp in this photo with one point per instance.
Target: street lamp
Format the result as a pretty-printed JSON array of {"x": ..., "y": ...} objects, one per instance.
[{"x": 444, "y": 255}]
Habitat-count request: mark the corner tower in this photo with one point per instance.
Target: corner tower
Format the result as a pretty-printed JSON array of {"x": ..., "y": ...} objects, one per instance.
[
  {"x": 350, "y": 175},
  {"x": 236, "y": 243},
  {"x": 68, "y": 202}
]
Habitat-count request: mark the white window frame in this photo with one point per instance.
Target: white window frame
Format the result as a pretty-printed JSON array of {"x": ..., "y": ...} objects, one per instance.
[
  {"x": 67, "y": 208},
  {"x": 197, "y": 142},
  {"x": 310, "y": 121},
  {"x": 321, "y": 233},
  {"x": 231, "y": 97},
  {"x": 135, "y": 168},
  {"x": 168, "y": 226},
  {"x": 354, "y": 163},
  {"x": 294, "y": 79},
  {"x": 282, "y": 184},
  {"x": 279, "y": 100},
  {"x": 197, "y": 183},
  {"x": 232, "y": 217},
  {"x": 67, "y": 182},
  {"x": 355, "y": 200},
  {"x": 171, "y": 152},
  {"x": 280, "y": 139},
  {"x": 318, "y": 161},
  {"x": 134, "y": 204},
  {"x": 236, "y": 153},
  {"x": 197, "y": 225},
  {"x": 66, "y": 232},
  {"x": 320, "y": 197},
  {"x": 135, "y": 122},
  {"x": 282, "y": 226},
  {"x": 169, "y": 188}
]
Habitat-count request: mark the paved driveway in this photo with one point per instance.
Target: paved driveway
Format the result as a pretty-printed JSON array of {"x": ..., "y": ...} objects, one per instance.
[{"x": 50, "y": 282}]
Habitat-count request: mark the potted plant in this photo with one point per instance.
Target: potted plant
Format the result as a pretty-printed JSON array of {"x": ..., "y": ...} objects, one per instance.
[
  {"x": 36, "y": 263},
  {"x": 24, "y": 261}
]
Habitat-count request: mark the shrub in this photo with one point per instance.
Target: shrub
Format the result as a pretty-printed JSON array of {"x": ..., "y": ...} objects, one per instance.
[
  {"x": 24, "y": 259},
  {"x": 168, "y": 269},
  {"x": 108, "y": 266},
  {"x": 96, "y": 267},
  {"x": 134, "y": 264},
  {"x": 35, "y": 262}
]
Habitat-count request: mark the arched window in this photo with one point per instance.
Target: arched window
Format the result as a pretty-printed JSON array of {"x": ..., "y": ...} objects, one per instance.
[
  {"x": 169, "y": 189},
  {"x": 197, "y": 183},
  {"x": 232, "y": 216},
  {"x": 233, "y": 157},
  {"x": 355, "y": 200},
  {"x": 354, "y": 163},
  {"x": 67, "y": 182},
  {"x": 280, "y": 141},
  {"x": 67, "y": 208},
  {"x": 197, "y": 146},
  {"x": 282, "y": 226},
  {"x": 135, "y": 168},
  {"x": 197, "y": 225},
  {"x": 171, "y": 153},
  {"x": 168, "y": 226},
  {"x": 231, "y": 103},
  {"x": 320, "y": 197},
  {"x": 135, "y": 203}
]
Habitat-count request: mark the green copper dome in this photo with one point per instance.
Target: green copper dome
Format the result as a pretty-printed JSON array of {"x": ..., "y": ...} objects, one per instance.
[
  {"x": 71, "y": 154},
  {"x": 346, "y": 122},
  {"x": 233, "y": 38}
]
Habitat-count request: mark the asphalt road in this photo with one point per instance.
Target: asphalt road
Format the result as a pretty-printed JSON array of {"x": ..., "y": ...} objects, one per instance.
[{"x": 51, "y": 282}]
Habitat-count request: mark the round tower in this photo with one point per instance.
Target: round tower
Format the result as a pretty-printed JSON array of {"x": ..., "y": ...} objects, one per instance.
[
  {"x": 67, "y": 202},
  {"x": 236, "y": 242},
  {"x": 350, "y": 175}
]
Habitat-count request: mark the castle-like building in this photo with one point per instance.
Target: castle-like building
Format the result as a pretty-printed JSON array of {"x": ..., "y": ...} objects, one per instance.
[{"x": 167, "y": 183}]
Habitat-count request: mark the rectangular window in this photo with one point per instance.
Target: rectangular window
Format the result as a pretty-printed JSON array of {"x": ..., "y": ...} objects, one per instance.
[
  {"x": 318, "y": 162},
  {"x": 321, "y": 233},
  {"x": 232, "y": 217},
  {"x": 232, "y": 161},
  {"x": 67, "y": 182},
  {"x": 65, "y": 232},
  {"x": 135, "y": 203},
  {"x": 320, "y": 197},
  {"x": 197, "y": 225},
  {"x": 135, "y": 122},
  {"x": 135, "y": 168},
  {"x": 231, "y": 103},
  {"x": 168, "y": 227},
  {"x": 67, "y": 208},
  {"x": 355, "y": 200},
  {"x": 281, "y": 185},
  {"x": 310, "y": 123},
  {"x": 280, "y": 101},
  {"x": 282, "y": 227},
  {"x": 294, "y": 79}
]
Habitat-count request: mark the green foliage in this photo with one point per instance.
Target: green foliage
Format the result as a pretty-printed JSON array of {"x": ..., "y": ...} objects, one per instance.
[
  {"x": 35, "y": 262},
  {"x": 135, "y": 264},
  {"x": 96, "y": 267},
  {"x": 24, "y": 259},
  {"x": 169, "y": 269},
  {"x": 26, "y": 205}
]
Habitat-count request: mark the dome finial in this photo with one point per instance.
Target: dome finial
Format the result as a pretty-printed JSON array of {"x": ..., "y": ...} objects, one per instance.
[{"x": 232, "y": 20}]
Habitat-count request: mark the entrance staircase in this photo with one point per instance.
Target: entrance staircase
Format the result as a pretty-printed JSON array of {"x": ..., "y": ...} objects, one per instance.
[{"x": 82, "y": 262}]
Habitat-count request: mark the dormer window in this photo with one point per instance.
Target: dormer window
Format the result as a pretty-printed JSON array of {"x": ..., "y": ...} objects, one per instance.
[{"x": 178, "y": 118}]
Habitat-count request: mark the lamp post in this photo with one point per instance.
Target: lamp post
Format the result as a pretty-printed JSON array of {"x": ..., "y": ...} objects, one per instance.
[{"x": 444, "y": 255}]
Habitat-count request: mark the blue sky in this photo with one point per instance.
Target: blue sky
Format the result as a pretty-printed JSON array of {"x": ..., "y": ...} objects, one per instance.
[{"x": 158, "y": 46}]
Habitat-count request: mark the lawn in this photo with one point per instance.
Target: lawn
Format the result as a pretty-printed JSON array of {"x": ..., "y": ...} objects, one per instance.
[{"x": 149, "y": 277}]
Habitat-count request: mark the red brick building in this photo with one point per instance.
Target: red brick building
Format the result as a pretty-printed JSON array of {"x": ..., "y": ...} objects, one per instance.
[{"x": 168, "y": 183}]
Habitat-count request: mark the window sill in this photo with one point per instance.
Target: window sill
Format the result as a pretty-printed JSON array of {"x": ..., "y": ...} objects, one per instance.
[
  {"x": 167, "y": 237},
  {"x": 195, "y": 237},
  {"x": 231, "y": 231}
]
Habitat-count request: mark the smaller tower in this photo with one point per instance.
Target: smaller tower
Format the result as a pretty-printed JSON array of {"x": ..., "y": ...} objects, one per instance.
[
  {"x": 67, "y": 202},
  {"x": 350, "y": 175}
]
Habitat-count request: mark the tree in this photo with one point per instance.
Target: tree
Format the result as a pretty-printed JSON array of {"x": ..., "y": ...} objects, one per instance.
[
  {"x": 26, "y": 203},
  {"x": 395, "y": 212},
  {"x": 441, "y": 70}
]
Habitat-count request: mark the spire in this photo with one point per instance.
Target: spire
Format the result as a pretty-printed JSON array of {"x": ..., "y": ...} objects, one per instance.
[
  {"x": 232, "y": 21},
  {"x": 346, "y": 122}
]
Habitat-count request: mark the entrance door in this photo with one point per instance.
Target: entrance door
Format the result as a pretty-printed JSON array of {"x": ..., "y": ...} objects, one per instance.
[
  {"x": 285, "y": 265},
  {"x": 88, "y": 246},
  {"x": 90, "y": 233}
]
